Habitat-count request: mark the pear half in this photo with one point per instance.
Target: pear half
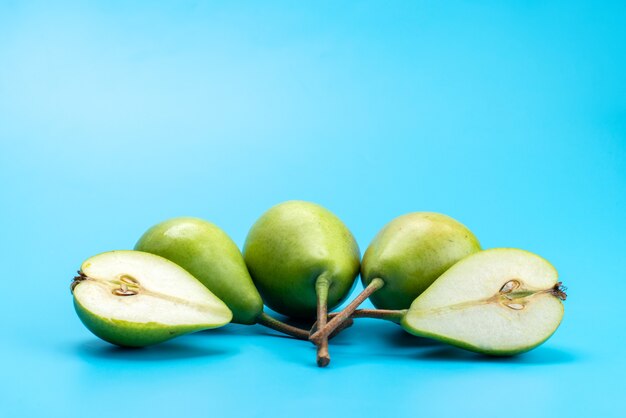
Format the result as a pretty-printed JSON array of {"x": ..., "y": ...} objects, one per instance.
[
  {"x": 134, "y": 299},
  {"x": 498, "y": 302}
]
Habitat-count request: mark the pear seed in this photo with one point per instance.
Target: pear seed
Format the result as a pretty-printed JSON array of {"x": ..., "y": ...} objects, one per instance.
[
  {"x": 509, "y": 286},
  {"x": 515, "y": 306},
  {"x": 130, "y": 280},
  {"x": 122, "y": 292}
]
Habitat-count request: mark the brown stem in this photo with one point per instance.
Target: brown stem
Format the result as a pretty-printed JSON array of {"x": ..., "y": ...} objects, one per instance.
[
  {"x": 387, "y": 314},
  {"x": 321, "y": 288},
  {"x": 314, "y": 326},
  {"x": 273, "y": 323},
  {"x": 338, "y": 319},
  {"x": 344, "y": 325}
]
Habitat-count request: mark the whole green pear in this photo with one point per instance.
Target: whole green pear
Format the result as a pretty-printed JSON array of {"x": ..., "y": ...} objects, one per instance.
[
  {"x": 297, "y": 250},
  {"x": 210, "y": 255},
  {"x": 410, "y": 252}
]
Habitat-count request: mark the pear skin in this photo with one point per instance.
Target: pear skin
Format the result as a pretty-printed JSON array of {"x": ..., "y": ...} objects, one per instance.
[
  {"x": 294, "y": 247},
  {"x": 410, "y": 252},
  {"x": 210, "y": 255}
]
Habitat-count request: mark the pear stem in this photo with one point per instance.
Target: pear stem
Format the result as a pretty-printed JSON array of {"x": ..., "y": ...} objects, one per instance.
[
  {"x": 277, "y": 325},
  {"x": 386, "y": 314},
  {"x": 344, "y": 325},
  {"x": 324, "y": 331},
  {"x": 321, "y": 288}
]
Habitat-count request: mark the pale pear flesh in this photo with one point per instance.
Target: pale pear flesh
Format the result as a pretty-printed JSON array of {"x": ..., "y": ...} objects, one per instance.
[
  {"x": 131, "y": 298},
  {"x": 498, "y": 302}
]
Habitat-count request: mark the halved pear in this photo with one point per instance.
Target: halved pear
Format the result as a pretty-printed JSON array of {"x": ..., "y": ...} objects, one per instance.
[
  {"x": 134, "y": 299},
  {"x": 498, "y": 302}
]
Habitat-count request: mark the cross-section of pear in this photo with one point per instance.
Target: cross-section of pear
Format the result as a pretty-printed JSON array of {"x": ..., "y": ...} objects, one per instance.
[
  {"x": 498, "y": 302},
  {"x": 134, "y": 299}
]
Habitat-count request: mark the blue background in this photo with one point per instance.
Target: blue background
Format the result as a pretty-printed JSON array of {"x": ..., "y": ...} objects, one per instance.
[{"x": 509, "y": 117}]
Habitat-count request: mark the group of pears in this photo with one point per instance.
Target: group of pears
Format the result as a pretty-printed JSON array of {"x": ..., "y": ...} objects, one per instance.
[{"x": 425, "y": 271}]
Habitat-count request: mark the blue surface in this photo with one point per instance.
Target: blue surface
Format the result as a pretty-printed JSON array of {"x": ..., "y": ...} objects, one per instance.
[{"x": 511, "y": 118}]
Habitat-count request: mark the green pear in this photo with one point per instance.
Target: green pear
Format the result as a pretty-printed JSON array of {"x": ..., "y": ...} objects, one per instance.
[
  {"x": 295, "y": 246},
  {"x": 404, "y": 259},
  {"x": 498, "y": 302},
  {"x": 210, "y": 255},
  {"x": 134, "y": 299},
  {"x": 303, "y": 260},
  {"x": 410, "y": 253}
]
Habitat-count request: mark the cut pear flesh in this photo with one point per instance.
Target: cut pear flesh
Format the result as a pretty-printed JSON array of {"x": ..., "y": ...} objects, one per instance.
[
  {"x": 499, "y": 302},
  {"x": 132, "y": 298}
]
